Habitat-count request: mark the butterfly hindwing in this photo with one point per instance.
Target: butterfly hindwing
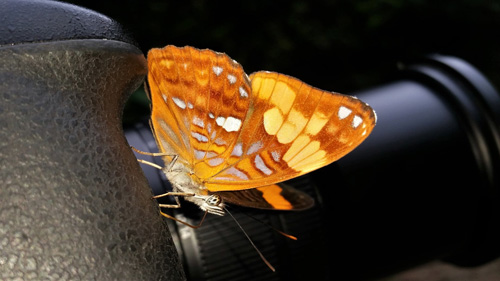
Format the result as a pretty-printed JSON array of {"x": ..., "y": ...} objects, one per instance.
[
  {"x": 293, "y": 129},
  {"x": 272, "y": 197}
]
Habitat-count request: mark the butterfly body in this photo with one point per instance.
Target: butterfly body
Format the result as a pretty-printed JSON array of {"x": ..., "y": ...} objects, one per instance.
[
  {"x": 184, "y": 182},
  {"x": 229, "y": 137}
]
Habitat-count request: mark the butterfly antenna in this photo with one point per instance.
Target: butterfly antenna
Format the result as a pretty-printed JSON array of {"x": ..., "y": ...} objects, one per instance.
[{"x": 251, "y": 242}]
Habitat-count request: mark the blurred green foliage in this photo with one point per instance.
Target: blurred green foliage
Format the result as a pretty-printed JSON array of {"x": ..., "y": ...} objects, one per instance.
[{"x": 339, "y": 45}]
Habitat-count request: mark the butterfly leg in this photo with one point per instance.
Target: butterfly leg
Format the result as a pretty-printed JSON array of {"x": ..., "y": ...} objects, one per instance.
[
  {"x": 156, "y": 154},
  {"x": 178, "y": 205},
  {"x": 169, "y": 168},
  {"x": 183, "y": 222},
  {"x": 170, "y": 165},
  {"x": 173, "y": 194},
  {"x": 150, "y": 164}
]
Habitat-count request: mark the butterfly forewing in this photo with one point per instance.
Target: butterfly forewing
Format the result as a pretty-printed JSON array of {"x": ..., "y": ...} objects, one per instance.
[
  {"x": 200, "y": 100},
  {"x": 228, "y": 107}
]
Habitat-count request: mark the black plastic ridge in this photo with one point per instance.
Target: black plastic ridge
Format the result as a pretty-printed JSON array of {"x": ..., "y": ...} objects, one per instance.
[{"x": 30, "y": 21}]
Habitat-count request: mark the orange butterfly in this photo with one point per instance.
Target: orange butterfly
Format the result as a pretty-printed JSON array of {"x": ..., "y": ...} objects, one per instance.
[{"x": 227, "y": 137}]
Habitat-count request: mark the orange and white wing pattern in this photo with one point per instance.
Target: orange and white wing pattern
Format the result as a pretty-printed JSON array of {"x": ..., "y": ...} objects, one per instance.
[
  {"x": 200, "y": 99},
  {"x": 236, "y": 132},
  {"x": 293, "y": 129}
]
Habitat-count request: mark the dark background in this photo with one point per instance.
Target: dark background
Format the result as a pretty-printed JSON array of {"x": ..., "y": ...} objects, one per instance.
[{"x": 341, "y": 46}]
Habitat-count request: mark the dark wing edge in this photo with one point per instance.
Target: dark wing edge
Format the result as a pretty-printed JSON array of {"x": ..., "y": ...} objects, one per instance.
[{"x": 270, "y": 197}]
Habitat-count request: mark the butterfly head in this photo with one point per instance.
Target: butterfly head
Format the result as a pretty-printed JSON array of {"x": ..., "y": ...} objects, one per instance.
[{"x": 211, "y": 203}]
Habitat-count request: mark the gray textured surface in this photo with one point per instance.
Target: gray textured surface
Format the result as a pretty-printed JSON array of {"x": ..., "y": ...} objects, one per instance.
[{"x": 74, "y": 204}]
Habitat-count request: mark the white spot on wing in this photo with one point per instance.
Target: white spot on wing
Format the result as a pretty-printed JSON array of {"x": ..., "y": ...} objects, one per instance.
[
  {"x": 220, "y": 121},
  {"x": 219, "y": 141},
  {"x": 217, "y": 70},
  {"x": 243, "y": 92},
  {"x": 276, "y": 156},
  {"x": 356, "y": 121},
  {"x": 231, "y": 78},
  {"x": 211, "y": 115},
  {"x": 180, "y": 103},
  {"x": 224, "y": 178},
  {"x": 215, "y": 161},
  {"x": 164, "y": 97},
  {"x": 256, "y": 146},
  {"x": 199, "y": 154},
  {"x": 198, "y": 122},
  {"x": 211, "y": 154},
  {"x": 343, "y": 112},
  {"x": 232, "y": 124},
  {"x": 237, "y": 150},
  {"x": 190, "y": 105},
  {"x": 259, "y": 164},
  {"x": 235, "y": 172},
  {"x": 199, "y": 137}
]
